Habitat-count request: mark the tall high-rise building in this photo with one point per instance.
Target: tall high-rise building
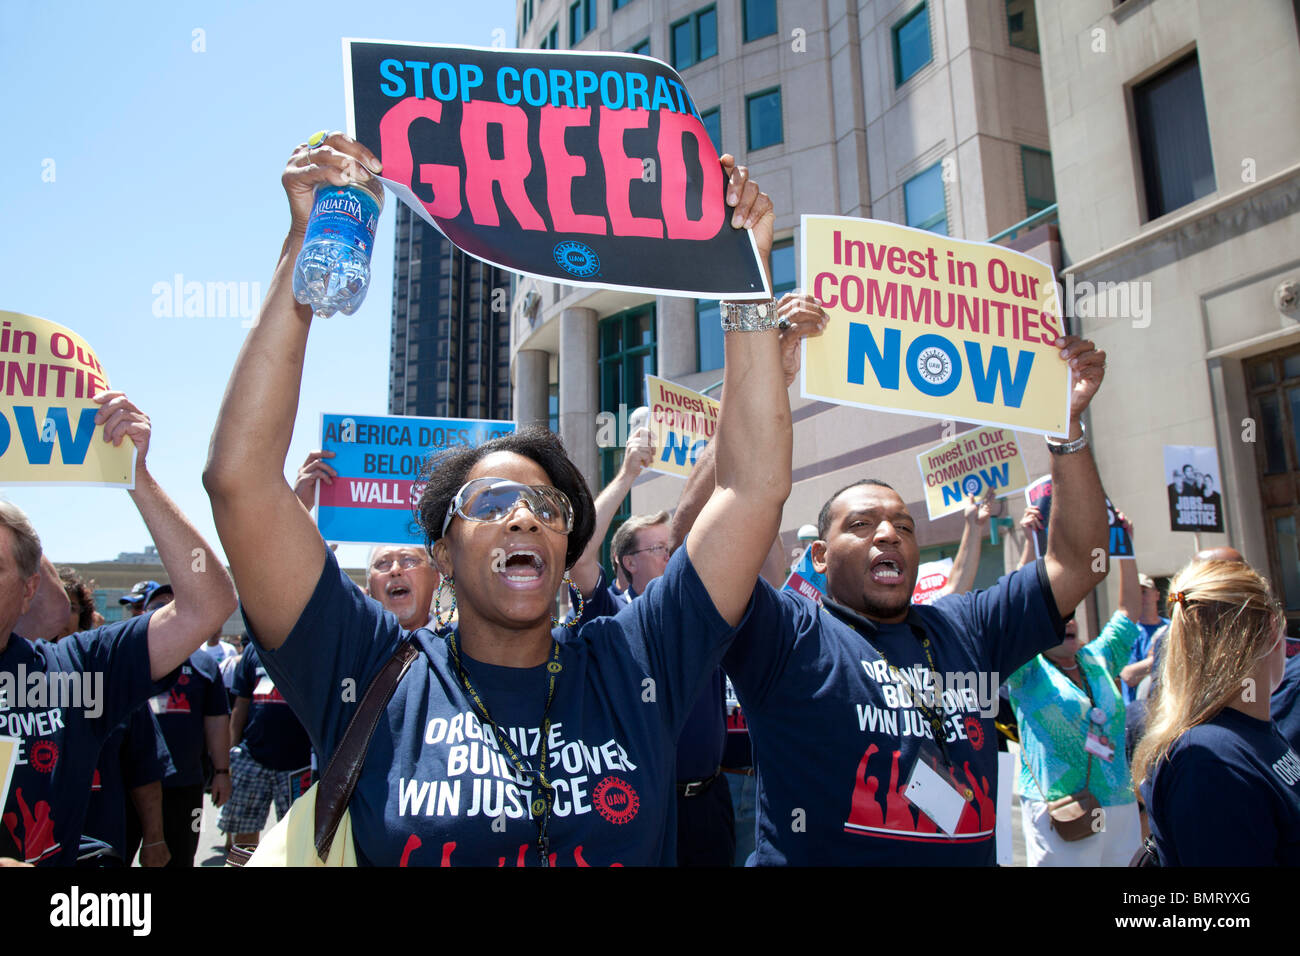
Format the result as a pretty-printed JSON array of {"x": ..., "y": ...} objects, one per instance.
[
  {"x": 451, "y": 330},
  {"x": 926, "y": 113}
]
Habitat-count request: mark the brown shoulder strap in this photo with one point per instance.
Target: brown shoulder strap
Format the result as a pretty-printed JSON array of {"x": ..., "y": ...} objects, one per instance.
[{"x": 341, "y": 773}]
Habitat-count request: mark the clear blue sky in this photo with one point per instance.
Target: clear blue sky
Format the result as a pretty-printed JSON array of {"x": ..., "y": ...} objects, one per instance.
[{"x": 167, "y": 161}]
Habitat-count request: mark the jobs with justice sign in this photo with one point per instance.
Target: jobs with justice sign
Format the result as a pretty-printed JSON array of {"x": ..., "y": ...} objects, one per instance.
[{"x": 583, "y": 168}]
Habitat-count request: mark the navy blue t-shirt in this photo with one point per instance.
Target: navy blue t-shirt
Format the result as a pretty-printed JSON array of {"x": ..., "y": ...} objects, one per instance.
[
  {"x": 835, "y": 737},
  {"x": 58, "y": 746},
  {"x": 1285, "y": 703},
  {"x": 436, "y": 789},
  {"x": 1141, "y": 648},
  {"x": 198, "y": 693},
  {"x": 273, "y": 735},
  {"x": 1227, "y": 794},
  {"x": 134, "y": 754},
  {"x": 704, "y": 735}
]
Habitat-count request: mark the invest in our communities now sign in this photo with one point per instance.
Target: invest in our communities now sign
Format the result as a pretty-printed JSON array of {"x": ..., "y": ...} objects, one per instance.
[
  {"x": 48, "y": 376},
  {"x": 922, "y": 324}
]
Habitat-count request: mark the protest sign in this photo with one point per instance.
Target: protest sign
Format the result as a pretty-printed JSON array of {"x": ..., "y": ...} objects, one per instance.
[
  {"x": 8, "y": 760},
  {"x": 682, "y": 422},
  {"x": 1039, "y": 494},
  {"x": 1195, "y": 503},
  {"x": 926, "y": 325},
  {"x": 930, "y": 578},
  {"x": 974, "y": 463},
  {"x": 805, "y": 579},
  {"x": 47, "y": 419},
  {"x": 378, "y": 460},
  {"x": 605, "y": 174}
]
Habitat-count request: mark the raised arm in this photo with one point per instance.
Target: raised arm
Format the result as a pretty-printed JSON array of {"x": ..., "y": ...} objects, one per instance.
[
  {"x": 312, "y": 472},
  {"x": 754, "y": 441},
  {"x": 1130, "y": 589},
  {"x": 1077, "y": 536},
  {"x": 275, "y": 552},
  {"x": 204, "y": 596},
  {"x": 806, "y": 317},
  {"x": 967, "y": 561},
  {"x": 1030, "y": 522},
  {"x": 640, "y": 453}
]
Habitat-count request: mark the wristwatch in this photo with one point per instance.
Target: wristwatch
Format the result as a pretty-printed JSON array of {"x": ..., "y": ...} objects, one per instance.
[
  {"x": 749, "y": 316},
  {"x": 1069, "y": 447}
]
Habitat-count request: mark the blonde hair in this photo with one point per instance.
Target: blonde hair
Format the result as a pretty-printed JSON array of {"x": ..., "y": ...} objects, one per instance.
[{"x": 1223, "y": 621}]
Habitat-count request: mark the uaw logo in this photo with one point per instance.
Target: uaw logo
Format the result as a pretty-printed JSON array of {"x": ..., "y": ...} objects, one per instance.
[
  {"x": 577, "y": 259},
  {"x": 615, "y": 799}
]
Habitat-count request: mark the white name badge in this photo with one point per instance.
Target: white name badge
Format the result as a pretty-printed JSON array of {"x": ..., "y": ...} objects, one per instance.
[
  {"x": 1099, "y": 746},
  {"x": 934, "y": 796}
]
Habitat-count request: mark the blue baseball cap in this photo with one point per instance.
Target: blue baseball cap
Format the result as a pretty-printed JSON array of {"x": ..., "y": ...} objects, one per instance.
[{"x": 138, "y": 593}]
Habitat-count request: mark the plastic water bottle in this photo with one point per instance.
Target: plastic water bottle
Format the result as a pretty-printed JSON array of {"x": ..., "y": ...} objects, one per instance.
[{"x": 333, "y": 268}]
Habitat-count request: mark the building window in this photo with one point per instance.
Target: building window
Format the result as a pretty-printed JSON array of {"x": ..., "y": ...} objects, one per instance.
[
  {"x": 627, "y": 355},
  {"x": 1040, "y": 187},
  {"x": 620, "y": 4},
  {"x": 582, "y": 19},
  {"x": 708, "y": 320},
  {"x": 551, "y": 41},
  {"x": 1173, "y": 138},
  {"x": 763, "y": 119},
  {"x": 924, "y": 203},
  {"x": 760, "y": 18},
  {"x": 525, "y": 15},
  {"x": 1022, "y": 25},
  {"x": 695, "y": 38},
  {"x": 643, "y": 47},
  {"x": 553, "y": 407},
  {"x": 911, "y": 44},
  {"x": 712, "y": 120}
]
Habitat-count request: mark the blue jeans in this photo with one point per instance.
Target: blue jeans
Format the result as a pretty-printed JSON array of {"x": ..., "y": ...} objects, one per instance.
[{"x": 744, "y": 794}]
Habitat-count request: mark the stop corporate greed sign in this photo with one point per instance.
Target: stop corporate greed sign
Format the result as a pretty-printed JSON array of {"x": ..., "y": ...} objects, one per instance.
[
  {"x": 974, "y": 463},
  {"x": 583, "y": 168},
  {"x": 47, "y": 419},
  {"x": 378, "y": 460},
  {"x": 926, "y": 325}
]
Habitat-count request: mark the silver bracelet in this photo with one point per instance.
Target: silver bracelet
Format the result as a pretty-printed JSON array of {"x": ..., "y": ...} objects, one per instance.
[
  {"x": 1069, "y": 447},
  {"x": 749, "y": 316}
]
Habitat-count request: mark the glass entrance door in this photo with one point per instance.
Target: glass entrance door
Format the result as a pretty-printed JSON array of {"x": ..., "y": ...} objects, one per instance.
[{"x": 1273, "y": 381}]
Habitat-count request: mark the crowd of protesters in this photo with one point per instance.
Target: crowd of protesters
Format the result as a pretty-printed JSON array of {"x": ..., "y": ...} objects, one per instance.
[{"x": 677, "y": 708}]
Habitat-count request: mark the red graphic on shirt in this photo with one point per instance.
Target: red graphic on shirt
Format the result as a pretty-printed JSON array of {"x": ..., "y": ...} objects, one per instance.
[
  {"x": 412, "y": 844},
  {"x": 616, "y": 800},
  {"x": 975, "y": 733},
  {"x": 177, "y": 702},
  {"x": 45, "y": 754},
  {"x": 900, "y": 820},
  {"x": 94, "y": 782},
  {"x": 522, "y": 857},
  {"x": 37, "y": 842}
]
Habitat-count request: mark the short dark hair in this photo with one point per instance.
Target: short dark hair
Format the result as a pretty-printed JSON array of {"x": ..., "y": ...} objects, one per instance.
[
  {"x": 445, "y": 473},
  {"x": 824, "y": 516},
  {"x": 83, "y": 593}
]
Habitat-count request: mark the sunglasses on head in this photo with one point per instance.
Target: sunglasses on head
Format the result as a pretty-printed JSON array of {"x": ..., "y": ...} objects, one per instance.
[{"x": 495, "y": 499}]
